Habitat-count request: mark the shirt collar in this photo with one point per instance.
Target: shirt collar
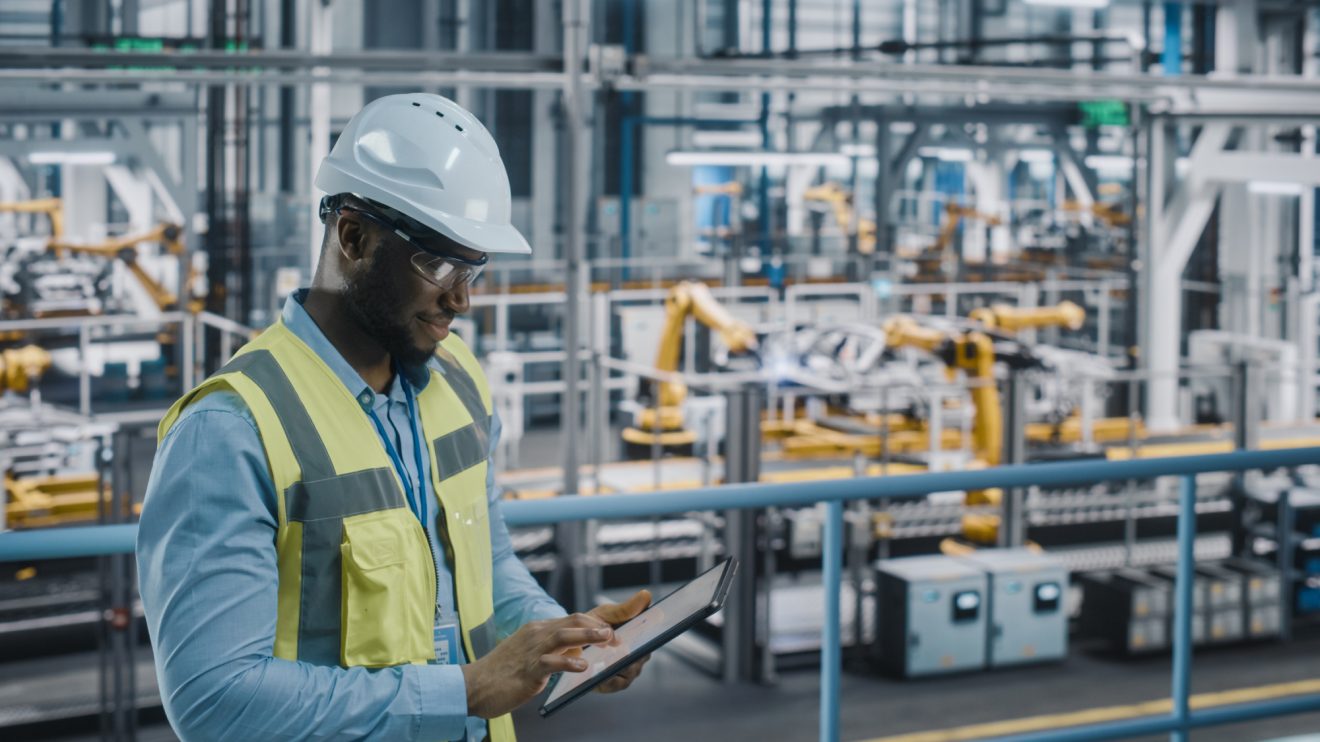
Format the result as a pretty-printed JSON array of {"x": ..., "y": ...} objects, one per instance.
[{"x": 300, "y": 323}]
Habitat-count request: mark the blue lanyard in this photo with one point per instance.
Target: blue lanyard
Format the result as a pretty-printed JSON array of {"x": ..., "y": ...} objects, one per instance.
[{"x": 416, "y": 497}]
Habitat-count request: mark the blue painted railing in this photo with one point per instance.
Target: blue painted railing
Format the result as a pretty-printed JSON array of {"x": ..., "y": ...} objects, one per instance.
[{"x": 96, "y": 540}]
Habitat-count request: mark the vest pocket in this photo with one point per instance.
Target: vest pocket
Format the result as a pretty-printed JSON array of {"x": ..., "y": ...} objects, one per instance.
[{"x": 388, "y": 590}]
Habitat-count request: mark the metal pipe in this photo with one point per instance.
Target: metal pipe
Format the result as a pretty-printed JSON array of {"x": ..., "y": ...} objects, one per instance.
[
  {"x": 1172, "y": 56},
  {"x": 795, "y": 494},
  {"x": 831, "y": 659},
  {"x": 1182, "y": 611},
  {"x": 37, "y": 57}
]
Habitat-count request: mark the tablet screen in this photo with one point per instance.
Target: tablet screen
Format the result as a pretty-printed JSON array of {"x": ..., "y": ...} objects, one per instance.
[{"x": 670, "y": 612}]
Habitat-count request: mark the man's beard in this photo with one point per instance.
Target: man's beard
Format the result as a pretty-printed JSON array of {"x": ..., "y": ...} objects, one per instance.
[{"x": 375, "y": 299}]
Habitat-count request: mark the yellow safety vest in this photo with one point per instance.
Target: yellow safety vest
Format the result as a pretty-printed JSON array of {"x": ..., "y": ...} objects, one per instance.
[{"x": 357, "y": 582}]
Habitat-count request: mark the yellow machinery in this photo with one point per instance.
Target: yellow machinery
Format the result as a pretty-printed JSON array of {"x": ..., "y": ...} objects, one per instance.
[
  {"x": 954, "y": 214},
  {"x": 1014, "y": 319},
  {"x": 1107, "y": 213},
  {"x": 51, "y": 207},
  {"x": 50, "y": 500},
  {"x": 974, "y": 354},
  {"x": 663, "y": 422},
  {"x": 124, "y": 249},
  {"x": 20, "y": 367},
  {"x": 35, "y": 502},
  {"x": 840, "y": 202}
]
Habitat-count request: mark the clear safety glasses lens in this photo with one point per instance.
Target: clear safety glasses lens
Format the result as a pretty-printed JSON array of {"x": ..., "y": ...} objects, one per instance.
[{"x": 445, "y": 272}]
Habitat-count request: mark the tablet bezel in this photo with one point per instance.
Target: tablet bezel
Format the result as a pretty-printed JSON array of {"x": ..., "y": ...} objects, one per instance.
[{"x": 730, "y": 567}]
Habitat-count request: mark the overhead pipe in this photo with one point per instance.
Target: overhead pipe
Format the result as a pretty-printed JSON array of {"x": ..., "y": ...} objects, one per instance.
[{"x": 899, "y": 47}]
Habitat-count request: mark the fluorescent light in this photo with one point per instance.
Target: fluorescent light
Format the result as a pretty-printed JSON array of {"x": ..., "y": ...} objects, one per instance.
[
  {"x": 1109, "y": 163},
  {"x": 712, "y": 138},
  {"x": 756, "y": 159},
  {"x": 946, "y": 154},
  {"x": 1275, "y": 188},
  {"x": 71, "y": 158},
  {"x": 1092, "y": 4},
  {"x": 1036, "y": 156},
  {"x": 857, "y": 150}
]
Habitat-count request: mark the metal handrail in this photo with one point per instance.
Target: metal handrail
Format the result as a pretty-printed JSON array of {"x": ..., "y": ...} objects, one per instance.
[{"x": 98, "y": 540}]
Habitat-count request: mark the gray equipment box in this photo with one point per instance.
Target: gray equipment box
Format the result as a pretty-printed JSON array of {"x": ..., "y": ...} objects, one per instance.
[
  {"x": 1127, "y": 608},
  {"x": 1262, "y": 613},
  {"x": 1226, "y": 586},
  {"x": 1225, "y": 625},
  {"x": 931, "y": 616},
  {"x": 1263, "y": 621},
  {"x": 1262, "y": 580},
  {"x": 1028, "y": 617},
  {"x": 1200, "y": 587},
  {"x": 1151, "y": 597}
]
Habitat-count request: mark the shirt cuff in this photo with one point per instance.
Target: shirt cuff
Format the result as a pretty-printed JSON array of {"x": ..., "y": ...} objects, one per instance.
[{"x": 442, "y": 701}]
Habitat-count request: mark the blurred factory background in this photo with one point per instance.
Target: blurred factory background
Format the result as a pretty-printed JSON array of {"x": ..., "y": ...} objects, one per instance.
[{"x": 775, "y": 241}]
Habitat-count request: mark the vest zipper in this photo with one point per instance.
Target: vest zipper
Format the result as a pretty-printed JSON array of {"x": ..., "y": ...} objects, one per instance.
[{"x": 435, "y": 570}]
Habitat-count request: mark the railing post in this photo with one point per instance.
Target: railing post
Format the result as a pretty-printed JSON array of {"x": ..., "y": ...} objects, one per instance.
[
  {"x": 1182, "y": 612},
  {"x": 741, "y": 638},
  {"x": 831, "y": 651}
]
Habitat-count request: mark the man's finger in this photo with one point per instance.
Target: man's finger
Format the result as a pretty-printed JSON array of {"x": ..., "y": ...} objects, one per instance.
[
  {"x": 617, "y": 613},
  {"x": 562, "y": 638},
  {"x": 553, "y": 663}
]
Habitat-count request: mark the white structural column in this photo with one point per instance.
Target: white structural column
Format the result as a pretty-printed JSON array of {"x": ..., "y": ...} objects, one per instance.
[
  {"x": 321, "y": 19},
  {"x": 1212, "y": 172},
  {"x": 1174, "y": 231}
]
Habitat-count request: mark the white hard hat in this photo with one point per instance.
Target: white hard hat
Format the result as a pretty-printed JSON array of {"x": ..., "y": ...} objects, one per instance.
[{"x": 430, "y": 159}]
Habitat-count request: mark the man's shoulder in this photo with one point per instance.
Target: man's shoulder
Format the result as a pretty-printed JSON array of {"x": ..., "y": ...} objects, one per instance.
[{"x": 214, "y": 408}]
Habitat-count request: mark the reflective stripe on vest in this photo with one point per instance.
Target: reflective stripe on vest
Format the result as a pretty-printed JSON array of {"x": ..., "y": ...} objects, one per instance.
[{"x": 356, "y": 577}]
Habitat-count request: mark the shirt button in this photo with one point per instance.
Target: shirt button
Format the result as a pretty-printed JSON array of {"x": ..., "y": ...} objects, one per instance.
[{"x": 365, "y": 399}]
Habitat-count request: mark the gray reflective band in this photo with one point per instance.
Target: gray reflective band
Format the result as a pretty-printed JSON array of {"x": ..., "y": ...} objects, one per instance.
[
  {"x": 465, "y": 387},
  {"x": 354, "y": 493},
  {"x": 321, "y": 506},
  {"x": 308, "y": 449},
  {"x": 460, "y": 450},
  {"x": 319, "y": 608},
  {"x": 484, "y": 637}
]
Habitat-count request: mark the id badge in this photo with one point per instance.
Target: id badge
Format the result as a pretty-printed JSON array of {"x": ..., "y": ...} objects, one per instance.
[{"x": 445, "y": 636}]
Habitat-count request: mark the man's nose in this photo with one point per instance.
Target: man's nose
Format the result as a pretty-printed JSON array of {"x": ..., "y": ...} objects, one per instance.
[{"x": 456, "y": 300}]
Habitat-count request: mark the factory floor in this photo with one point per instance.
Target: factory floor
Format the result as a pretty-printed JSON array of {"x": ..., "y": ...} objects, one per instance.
[{"x": 674, "y": 701}]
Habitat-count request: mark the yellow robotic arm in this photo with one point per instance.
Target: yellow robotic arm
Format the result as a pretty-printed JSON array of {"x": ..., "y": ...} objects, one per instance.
[
  {"x": 972, "y": 353},
  {"x": 51, "y": 207},
  {"x": 685, "y": 299},
  {"x": 125, "y": 249},
  {"x": 840, "y": 202},
  {"x": 1012, "y": 319}
]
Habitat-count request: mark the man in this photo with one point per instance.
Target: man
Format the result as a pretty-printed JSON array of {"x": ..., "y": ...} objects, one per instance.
[{"x": 321, "y": 551}]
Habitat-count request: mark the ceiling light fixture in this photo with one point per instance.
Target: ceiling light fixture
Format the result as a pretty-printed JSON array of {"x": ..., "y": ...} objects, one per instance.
[
  {"x": 756, "y": 159},
  {"x": 71, "y": 158},
  {"x": 946, "y": 154},
  {"x": 1091, "y": 4}
]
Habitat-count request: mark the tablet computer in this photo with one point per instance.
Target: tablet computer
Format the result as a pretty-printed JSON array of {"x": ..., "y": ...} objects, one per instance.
[{"x": 664, "y": 620}]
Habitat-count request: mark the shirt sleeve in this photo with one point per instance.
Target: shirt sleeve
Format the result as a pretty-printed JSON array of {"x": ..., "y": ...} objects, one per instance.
[
  {"x": 518, "y": 597},
  {"x": 209, "y": 582}
]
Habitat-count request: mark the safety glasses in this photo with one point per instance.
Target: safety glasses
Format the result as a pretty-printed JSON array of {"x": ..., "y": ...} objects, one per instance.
[{"x": 448, "y": 272}]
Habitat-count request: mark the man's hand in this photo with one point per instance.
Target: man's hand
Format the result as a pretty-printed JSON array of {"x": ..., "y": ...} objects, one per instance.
[
  {"x": 519, "y": 667},
  {"x": 615, "y": 614}
]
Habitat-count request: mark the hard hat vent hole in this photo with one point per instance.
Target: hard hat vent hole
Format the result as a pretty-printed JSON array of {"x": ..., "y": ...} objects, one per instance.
[
  {"x": 456, "y": 126},
  {"x": 417, "y": 105}
]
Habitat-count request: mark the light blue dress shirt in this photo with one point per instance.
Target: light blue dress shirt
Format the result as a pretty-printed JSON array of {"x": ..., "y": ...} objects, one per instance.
[{"x": 209, "y": 582}]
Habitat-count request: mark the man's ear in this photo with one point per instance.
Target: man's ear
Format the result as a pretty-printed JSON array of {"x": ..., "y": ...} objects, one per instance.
[{"x": 352, "y": 237}]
